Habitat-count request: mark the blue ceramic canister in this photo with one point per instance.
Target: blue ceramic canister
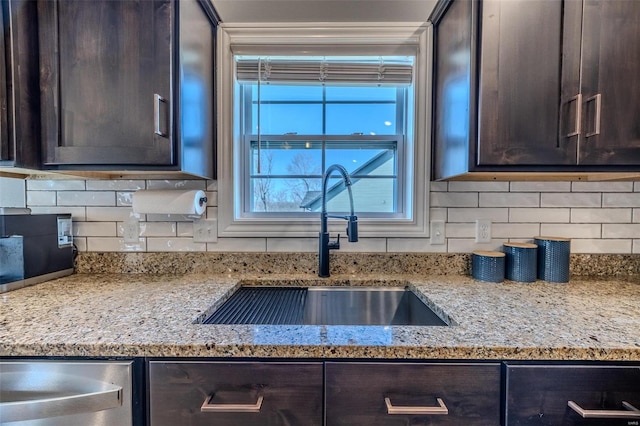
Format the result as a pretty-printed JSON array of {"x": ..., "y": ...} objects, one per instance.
[
  {"x": 521, "y": 262},
  {"x": 553, "y": 258},
  {"x": 488, "y": 266}
]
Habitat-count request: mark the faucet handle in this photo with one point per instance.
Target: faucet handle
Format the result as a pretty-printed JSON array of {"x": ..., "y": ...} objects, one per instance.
[{"x": 334, "y": 245}]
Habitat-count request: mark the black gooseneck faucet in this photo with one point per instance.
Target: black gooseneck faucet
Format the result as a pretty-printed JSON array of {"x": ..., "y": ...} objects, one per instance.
[{"x": 352, "y": 227}]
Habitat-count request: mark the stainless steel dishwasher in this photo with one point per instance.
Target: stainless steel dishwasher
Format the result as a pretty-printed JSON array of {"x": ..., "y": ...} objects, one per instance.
[{"x": 69, "y": 393}]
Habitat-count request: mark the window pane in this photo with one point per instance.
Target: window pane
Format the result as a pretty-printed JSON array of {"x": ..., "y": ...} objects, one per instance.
[
  {"x": 370, "y": 195},
  {"x": 287, "y": 158},
  {"x": 283, "y": 195},
  {"x": 365, "y": 160},
  {"x": 368, "y": 119},
  {"x": 281, "y": 92},
  {"x": 278, "y": 119},
  {"x": 345, "y": 93}
]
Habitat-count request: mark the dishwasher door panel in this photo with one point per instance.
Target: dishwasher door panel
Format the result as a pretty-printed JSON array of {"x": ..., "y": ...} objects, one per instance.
[{"x": 69, "y": 393}]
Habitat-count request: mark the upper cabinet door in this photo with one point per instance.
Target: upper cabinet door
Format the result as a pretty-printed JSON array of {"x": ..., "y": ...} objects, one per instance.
[
  {"x": 610, "y": 83},
  {"x": 519, "y": 90},
  {"x": 106, "y": 70}
]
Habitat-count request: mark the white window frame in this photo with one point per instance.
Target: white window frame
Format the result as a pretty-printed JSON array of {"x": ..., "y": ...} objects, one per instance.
[{"x": 347, "y": 39}]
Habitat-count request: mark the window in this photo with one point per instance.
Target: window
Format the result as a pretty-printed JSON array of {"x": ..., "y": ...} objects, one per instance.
[
  {"x": 295, "y": 114},
  {"x": 306, "y": 127}
]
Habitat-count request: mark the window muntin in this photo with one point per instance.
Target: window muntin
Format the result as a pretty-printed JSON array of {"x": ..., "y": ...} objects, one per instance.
[{"x": 290, "y": 175}]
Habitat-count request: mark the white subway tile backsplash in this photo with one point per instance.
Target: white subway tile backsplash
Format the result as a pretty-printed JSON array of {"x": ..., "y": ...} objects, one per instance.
[
  {"x": 454, "y": 199},
  {"x": 439, "y": 186},
  {"x": 80, "y": 243},
  {"x": 95, "y": 229},
  {"x": 239, "y": 245},
  {"x": 586, "y": 245},
  {"x": 295, "y": 245},
  {"x": 364, "y": 245},
  {"x": 177, "y": 184},
  {"x": 41, "y": 198},
  {"x": 470, "y": 215},
  {"x": 572, "y": 230},
  {"x": 157, "y": 229},
  {"x": 86, "y": 198},
  {"x": 212, "y": 185},
  {"x": 621, "y": 200},
  {"x": 600, "y": 215},
  {"x": 124, "y": 199},
  {"x": 107, "y": 214},
  {"x": 438, "y": 214},
  {"x": 183, "y": 229},
  {"x": 159, "y": 244},
  {"x": 55, "y": 185},
  {"x": 414, "y": 245},
  {"x": 539, "y": 215},
  {"x": 460, "y": 245},
  {"x": 212, "y": 198},
  {"x": 514, "y": 230},
  {"x": 587, "y": 199},
  {"x": 509, "y": 199},
  {"x": 616, "y": 230},
  {"x": 542, "y": 186},
  {"x": 114, "y": 244},
  {"x": 460, "y": 230},
  {"x": 602, "y": 186},
  {"x": 469, "y": 186},
  {"x": 115, "y": 185}
]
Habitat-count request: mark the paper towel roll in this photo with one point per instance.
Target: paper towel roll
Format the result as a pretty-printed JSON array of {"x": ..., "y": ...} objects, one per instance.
[{"x": 192, "y": 203}]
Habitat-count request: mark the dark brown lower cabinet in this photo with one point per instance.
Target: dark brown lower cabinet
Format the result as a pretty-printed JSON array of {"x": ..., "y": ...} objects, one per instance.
[
  {"x": 193, "y": 393},
  {"x": 572, "y": 395},
  {"x": 362, "y": 393}
]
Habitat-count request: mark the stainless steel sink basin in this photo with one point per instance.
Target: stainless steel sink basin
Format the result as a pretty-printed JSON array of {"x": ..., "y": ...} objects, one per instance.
[{"x": 324, "y": 306}]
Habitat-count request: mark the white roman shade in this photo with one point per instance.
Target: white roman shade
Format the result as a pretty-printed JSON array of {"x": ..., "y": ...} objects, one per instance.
[{"x": 381, "y": 71}]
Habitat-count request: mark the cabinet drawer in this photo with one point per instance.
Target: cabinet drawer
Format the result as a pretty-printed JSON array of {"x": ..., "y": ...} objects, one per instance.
[
  {"x": 540, "y": 394},
  {"x": 238, "y": 393},
  {"x": 416, "y": 394}
]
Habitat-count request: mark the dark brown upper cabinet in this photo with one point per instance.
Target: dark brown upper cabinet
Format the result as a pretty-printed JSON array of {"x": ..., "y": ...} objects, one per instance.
[
  {"x": 535, "y": 86},
  {"x": 128, "y": 85},
  {"x": 19, "y": 91}
]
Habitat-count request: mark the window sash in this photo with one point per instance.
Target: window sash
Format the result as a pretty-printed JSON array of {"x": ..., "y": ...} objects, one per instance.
[{"x": 350, "y": 141}]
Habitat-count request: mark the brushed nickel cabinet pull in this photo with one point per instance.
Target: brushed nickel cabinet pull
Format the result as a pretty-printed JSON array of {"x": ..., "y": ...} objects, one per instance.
[
  {"x": 630, "y": 413},
  {"x": 576, "y": 128},
  {"x": 208, "y": 407},
  {"x": 400, "y": 409},
  {"x": 596, "y": 125},
  {"x": 157, "y": 99}
]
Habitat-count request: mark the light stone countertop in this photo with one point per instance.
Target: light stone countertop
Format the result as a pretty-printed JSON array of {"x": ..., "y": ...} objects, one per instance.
[{"x": 153, "y": 315}]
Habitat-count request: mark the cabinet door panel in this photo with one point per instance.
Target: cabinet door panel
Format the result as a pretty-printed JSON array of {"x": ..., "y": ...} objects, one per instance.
[
  {"x": 539, "y": 395},
  {"x": 356, "y": 392},
  {"x": 611, "y": 69},
  {"x": 520, "y": 71},
  {"x": 107, "y": 60},
  {"x": 291, "y": 392}
]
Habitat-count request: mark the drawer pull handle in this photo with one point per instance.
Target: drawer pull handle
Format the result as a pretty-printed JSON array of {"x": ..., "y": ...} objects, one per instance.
[
  {"x": 631, "y": 413},
  {"x": 403, "y": 409},
  {"x": 208, "y": 407}
]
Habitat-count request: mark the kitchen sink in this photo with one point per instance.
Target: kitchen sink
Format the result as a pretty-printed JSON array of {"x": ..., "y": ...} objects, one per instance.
[{"x": 325, "y": 306}]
